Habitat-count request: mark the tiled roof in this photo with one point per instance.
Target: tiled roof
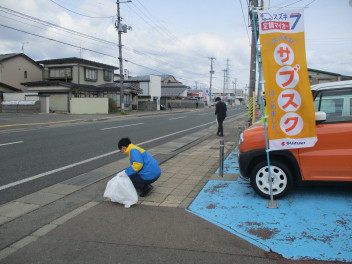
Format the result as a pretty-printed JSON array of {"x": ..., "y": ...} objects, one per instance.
[{"x": 76, "y": 60}]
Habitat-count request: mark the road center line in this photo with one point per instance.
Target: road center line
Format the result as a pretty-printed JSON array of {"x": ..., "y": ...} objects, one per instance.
[
  {"x": 177, "y": 118},
  {"x": 122, "y": 126},
  {"x": 91, "y": 159},
  {"x": 11, "y": 143}
]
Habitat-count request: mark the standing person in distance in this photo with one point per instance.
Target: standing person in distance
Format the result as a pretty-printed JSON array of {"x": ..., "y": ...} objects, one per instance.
[
  {"x": 144, "y": 169},
  {"x": 220, "y": 112}
]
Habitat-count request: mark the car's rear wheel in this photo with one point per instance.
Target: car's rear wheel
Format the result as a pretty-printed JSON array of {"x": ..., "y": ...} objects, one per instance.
[{"x": 281, "y": 175}]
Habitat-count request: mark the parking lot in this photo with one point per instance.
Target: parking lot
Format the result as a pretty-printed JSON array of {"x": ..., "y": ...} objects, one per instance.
[{"x": 310, "y": 223}]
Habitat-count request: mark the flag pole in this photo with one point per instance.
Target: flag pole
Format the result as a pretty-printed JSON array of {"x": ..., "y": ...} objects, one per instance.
[{"x": 271, "y": 203}]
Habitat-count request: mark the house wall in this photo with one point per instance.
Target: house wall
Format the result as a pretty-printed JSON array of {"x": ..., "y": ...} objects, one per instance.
[
  {"x": 78, "y": 73},
  {"x": 12, "y": 72},
  {"x": 319, "y": 77},
  {"x": 145, "y": 87},
  {"x": 155, "y": 89},
  {"x": 155, "y": 86},
  {"x": 89, "y": 105}
]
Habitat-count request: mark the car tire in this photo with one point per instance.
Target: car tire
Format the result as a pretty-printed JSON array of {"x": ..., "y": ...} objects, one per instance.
[{"x": 282, "y": 179}]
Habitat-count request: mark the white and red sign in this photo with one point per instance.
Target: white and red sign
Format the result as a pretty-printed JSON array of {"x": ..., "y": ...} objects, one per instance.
[{"x": 289, "y": 102}]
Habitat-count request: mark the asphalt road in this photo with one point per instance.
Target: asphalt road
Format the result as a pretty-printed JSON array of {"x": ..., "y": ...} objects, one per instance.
[{"x": 34, "y": 158}]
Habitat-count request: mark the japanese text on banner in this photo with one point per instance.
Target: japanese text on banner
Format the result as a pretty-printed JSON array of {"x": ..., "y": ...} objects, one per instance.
[{"x": 289, "y": 102}]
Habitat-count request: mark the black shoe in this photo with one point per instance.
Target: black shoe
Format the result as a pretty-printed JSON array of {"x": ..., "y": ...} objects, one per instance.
[
  {"x": 146, "y": 190},
  {"x": 221, "y": 135}
]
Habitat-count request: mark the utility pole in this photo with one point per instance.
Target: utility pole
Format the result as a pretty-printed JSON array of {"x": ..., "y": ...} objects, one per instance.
[
  {"x": 227, "y": 73},
  {"x": 235, "y": 86},
  {"x": 121, "y": 28},
  {"x": 223, "y": 88},
  {"x": 253, "y": 63},
  {"x": 211, "y": 76}
]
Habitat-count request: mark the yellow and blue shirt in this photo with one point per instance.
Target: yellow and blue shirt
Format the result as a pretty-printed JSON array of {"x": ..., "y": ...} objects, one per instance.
[{"x": 142, "y": 163}]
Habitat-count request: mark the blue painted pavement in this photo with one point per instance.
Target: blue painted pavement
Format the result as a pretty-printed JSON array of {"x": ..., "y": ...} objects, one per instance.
[{"x": 310, "y": 223}]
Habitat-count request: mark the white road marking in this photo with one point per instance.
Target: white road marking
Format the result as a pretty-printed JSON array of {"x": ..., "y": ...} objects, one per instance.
[
  {"x": 11, "y": 143},
  {"x": 177, "y": 118},
  {"x": 122, "y": 126},
  {"x": 3, "y": 187}
]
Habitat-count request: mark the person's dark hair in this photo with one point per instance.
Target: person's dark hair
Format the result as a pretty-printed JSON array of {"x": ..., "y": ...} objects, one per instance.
[
  {"x": 124, "y": 142},
  {"x": 217, "y": 99}
]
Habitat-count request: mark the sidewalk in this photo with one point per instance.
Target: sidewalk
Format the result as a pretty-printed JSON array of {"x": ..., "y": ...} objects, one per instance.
[{"x": 70, "y": 222}]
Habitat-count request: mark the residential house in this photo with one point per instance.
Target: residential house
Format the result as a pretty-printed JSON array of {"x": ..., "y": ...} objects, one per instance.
[
  {"x": 318, "y": 76},
  {"x": 76, "y": 77},
  {"x": 172, "y": 89},
  {"x": 150, "y": 85},
  {"x": 15, "y": 69}
]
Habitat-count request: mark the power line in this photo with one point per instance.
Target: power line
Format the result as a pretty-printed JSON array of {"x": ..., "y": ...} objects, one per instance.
[
  {"x": 161, "y": 29},
  {"x": 97, "y": 52},
  {"x": 244, "y": 22},
  {"x": 84, "y": 36},
  {"x": 78, "y": 13},
  {"x": 48, "y": 24}
]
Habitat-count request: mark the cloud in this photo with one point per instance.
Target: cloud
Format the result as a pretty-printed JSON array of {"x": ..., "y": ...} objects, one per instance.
[{"x": 173, "y": 38}]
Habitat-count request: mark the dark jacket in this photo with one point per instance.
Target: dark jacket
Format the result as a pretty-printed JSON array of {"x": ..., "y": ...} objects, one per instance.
[{"x": 220, "y": 109}]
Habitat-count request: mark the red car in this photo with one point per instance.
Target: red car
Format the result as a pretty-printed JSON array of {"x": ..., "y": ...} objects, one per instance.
[{"x": 330, "y": 160}]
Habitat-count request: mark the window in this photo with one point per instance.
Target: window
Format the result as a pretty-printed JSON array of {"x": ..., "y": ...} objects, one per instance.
[
  {"x": 336, "y": 105},
  {"x": 127, "y": 99},
  {"x": 60, "y": 73},
  {"x": 107, "y": 75},
  {"x": 91, "y": 74},
  {"x": 25, "y": 74}
]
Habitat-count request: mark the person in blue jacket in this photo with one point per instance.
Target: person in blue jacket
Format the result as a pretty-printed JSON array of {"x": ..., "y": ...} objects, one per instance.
[{"x": 144, "y": 169}]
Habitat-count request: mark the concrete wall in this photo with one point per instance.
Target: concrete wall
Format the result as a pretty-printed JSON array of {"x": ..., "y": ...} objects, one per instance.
[
  {"x": 89, "y": 105},
  {"x": 182, "y": 104},
  {"x": 147, "y": 106}
]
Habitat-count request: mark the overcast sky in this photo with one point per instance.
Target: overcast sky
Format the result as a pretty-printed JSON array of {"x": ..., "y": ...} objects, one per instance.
[{"x": 170, "y": 37}]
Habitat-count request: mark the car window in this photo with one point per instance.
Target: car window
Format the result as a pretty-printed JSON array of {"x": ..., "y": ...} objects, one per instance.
[{"x": 336, "y": 104}]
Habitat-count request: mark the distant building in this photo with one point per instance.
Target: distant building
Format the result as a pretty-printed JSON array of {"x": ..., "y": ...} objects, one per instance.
[
  {"x": 150, "y": 85},
  {"x": 318, "y": 76},
  {"x": 17, "y": 68},
  {"x": 172, "y": 89}
]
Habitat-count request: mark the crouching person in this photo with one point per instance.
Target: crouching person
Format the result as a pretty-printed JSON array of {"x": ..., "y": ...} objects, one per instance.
[{"x": 144, "y": 169}]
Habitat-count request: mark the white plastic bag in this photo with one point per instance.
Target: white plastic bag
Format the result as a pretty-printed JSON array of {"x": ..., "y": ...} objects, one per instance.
[{"x": 120, "y": 189}]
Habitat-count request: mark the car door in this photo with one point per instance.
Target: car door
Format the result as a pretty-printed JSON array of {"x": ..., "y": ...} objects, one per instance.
[{"x": 331, "y": 158}]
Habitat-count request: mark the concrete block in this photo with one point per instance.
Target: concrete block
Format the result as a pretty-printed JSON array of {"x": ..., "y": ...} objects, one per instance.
[
  {"x": 4, "y": 219},
  {"x": 40, "y": 198},
  {"x": 175, "y": 199},
  {"x": 15, "y": 209},
  {"x": 166, "y": 204},
  {"x": 63, "y": 189}
]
